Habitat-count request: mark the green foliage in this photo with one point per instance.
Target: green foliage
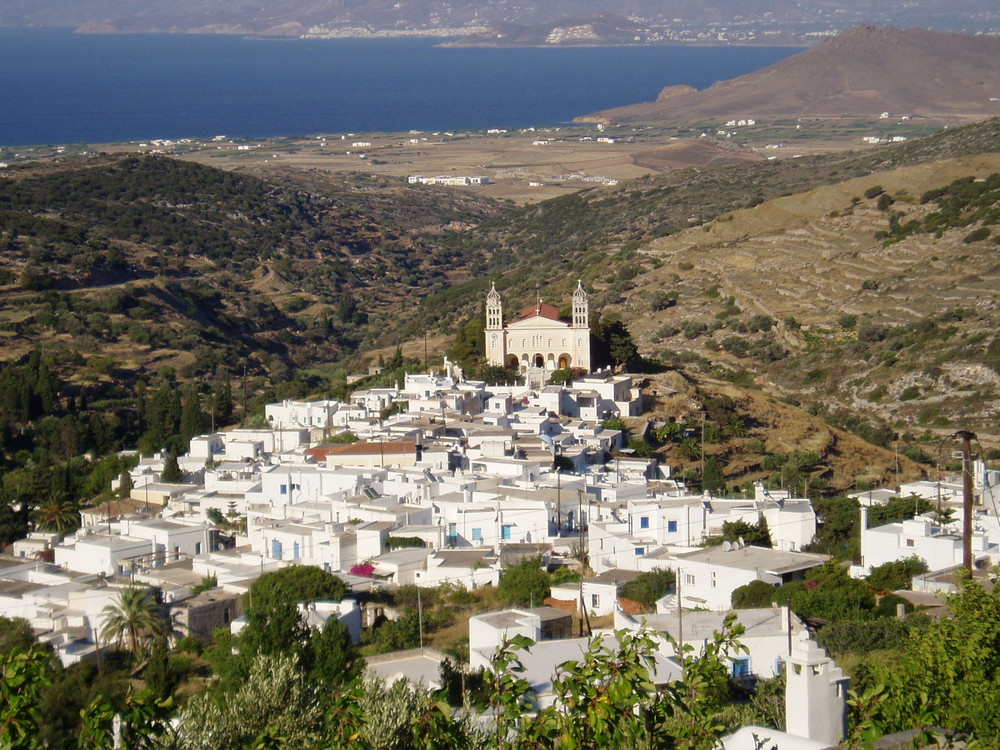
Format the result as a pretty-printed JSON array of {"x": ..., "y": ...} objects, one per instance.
[
  {"x": 896, "y": 575},
  {"x": 564, "y": 574},
  {"x": 753, "y": 595},
  {"x": 611, "y": 343},
  {"x": 276, "y": 696},
  {"x": 976, "y": 235},
  {"x": 23, "y": 675},
  {"x": 946, "y": 674},
  {"x": 897, "y": 509},
  {"x": 171, "y": 470},
  {"x": 524, "y": 584},
  {"x": 714, "y": 479},
  {"x": 342, "y": 438},
  {"x": 207, "y": 582},
  {"x": 862, "y": 637},
  {"x": 294, "y": 584},
  {"x": 394, "y": 635},
  {"x": 649, "y": 587},
  {"x": 756, "y": 534},
  {"x": 640, "y": 447},
  {"x": 829, "y": 593},
  {"x": 402, "y": 542},
  {"x": 134, "y": 619},
  {"x": 334, "y": 660},
  {"x": 469, "y": 346}
]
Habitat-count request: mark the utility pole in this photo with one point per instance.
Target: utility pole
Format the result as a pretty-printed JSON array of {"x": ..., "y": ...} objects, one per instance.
[
  {"x": 555, "y": 461},
  {"x": 583, "y": 561},
  {"x": 966, "y": 437}
]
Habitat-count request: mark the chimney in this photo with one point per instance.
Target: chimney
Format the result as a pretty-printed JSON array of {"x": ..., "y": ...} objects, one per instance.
[{"x": 815, "y": 694}]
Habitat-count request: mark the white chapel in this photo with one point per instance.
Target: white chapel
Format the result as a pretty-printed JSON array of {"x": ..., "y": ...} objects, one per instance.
[{"x": 538, "y": 338}]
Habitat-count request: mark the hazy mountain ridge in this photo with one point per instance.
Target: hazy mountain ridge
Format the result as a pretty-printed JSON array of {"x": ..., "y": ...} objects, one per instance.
[{"x": 296, "y": 17}]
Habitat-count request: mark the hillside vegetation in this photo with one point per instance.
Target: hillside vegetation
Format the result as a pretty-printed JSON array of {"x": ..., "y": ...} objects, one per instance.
[{"x": 144, "y": 299}]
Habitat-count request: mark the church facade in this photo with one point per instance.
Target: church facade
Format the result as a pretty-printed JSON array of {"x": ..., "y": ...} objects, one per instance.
[{"x": 538, "y": 338}]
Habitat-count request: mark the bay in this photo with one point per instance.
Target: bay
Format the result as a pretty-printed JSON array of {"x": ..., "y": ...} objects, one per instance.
[{"x": 59, "y": 87}]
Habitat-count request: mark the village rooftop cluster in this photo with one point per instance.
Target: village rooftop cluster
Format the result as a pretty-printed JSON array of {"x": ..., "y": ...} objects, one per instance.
[{"x": 469, "y": 471}]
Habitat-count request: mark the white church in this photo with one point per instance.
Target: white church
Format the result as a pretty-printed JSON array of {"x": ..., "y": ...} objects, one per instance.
[{"x": 538, "y": 339}]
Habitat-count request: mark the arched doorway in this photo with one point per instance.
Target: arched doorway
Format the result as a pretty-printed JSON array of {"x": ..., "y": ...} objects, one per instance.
[
  {"x": 539, "y": 361},
  {"x": 565, "y": 361},
  {"x": 512, "y": 361}
]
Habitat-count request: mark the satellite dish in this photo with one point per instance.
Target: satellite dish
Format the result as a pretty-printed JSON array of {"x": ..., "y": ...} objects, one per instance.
[
  {"x": 742, "y": 543},
  {"x": 727, "y": 546}
]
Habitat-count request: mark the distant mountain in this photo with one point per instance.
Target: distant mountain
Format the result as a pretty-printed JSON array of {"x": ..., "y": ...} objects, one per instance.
[
  {"x": 691, "y": 20},
  {"x": 863, "y": 71}
]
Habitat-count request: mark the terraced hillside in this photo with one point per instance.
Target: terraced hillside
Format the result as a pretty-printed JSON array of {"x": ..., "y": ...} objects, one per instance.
[{"x": 899, "y": 330}]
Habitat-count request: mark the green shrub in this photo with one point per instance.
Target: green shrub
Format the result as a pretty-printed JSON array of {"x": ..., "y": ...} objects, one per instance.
[{"x": 976, "y": 235}]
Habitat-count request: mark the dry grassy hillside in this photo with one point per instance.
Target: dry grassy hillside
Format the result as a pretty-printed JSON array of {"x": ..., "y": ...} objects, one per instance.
[{"x": 902, "y": 331}]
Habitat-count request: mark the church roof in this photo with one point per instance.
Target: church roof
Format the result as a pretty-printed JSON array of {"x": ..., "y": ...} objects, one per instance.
[{"x": 539, "y": 310}]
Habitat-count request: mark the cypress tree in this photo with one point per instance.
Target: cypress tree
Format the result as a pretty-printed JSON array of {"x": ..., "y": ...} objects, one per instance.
[
  {"x": 171, "y": 471},
  {"x": 192, "y": 417}
]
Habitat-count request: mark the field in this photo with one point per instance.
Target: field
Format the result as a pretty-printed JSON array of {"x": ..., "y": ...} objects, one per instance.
[{"x": 534, "y": 165}]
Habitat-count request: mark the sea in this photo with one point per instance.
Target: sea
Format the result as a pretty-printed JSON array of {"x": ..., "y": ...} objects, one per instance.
[{"x": 57, "y": 87}]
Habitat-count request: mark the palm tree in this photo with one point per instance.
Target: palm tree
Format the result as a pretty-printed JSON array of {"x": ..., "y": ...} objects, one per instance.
[
  {"x": 58, "y": 516},
  {"x": 134, "y": 618}
]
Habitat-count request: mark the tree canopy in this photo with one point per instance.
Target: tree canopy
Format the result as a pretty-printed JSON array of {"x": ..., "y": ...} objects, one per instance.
[{"x": 524, "y": 584}]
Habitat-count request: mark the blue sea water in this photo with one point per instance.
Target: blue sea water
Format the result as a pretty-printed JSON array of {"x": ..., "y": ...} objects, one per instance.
[{"x": 60, "y": 87}]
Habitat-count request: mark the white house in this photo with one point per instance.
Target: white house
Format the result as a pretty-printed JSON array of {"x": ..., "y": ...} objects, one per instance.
[
  {"x": 768, "y": 635},
  {"x": 707, "y": 577},
  {"x": 937, "y": 546}
]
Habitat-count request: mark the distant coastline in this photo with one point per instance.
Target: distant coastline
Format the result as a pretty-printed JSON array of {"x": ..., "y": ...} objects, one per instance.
[{"x": 88, "y": 88}]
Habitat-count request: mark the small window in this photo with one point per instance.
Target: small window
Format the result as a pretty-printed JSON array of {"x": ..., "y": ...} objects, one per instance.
[
  {"x": 671, "y": 526},
  {"x": 644, "y": 522},
  {"x": 688, "y": 579},
  {"x": 283, "y": 489},
  {"x": 910, "y": 543},
  {"x": 740, "y": 666},
  {"x": 595, "y": 600},
  {"x": 477, "y": 535},
  {"x": 640, "y": 550},
  {"x": 713, "y": 580},
  {"x": 506, "y": 531}
]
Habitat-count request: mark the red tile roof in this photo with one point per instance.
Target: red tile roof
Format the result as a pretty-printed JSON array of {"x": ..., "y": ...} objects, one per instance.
[
  {"x": 539, "y": 310},
  {"x": 320, "y": 453}
]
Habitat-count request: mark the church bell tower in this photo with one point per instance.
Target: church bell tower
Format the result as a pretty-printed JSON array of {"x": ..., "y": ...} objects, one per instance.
[
  {"x": 495, "y": 336},
  {"x": 581, "y": 307}
]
